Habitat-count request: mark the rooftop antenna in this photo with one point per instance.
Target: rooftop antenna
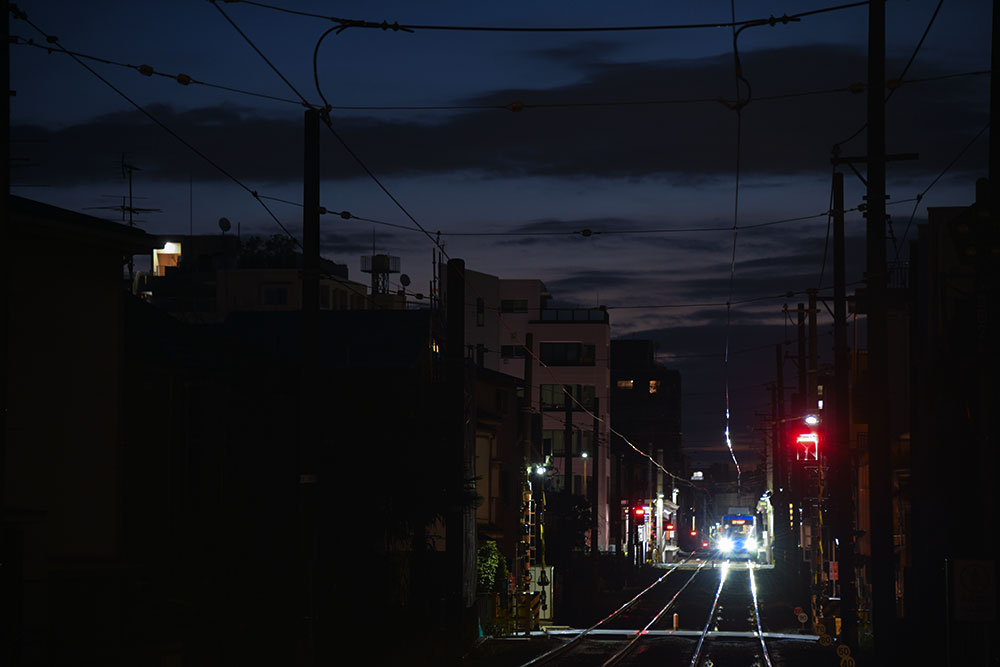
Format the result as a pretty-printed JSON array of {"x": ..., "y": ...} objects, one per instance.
[{"x": 127, "y": 170}]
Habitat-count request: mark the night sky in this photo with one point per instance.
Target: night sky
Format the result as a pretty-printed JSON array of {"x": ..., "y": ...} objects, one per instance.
[{"x": 629, "y": 134}]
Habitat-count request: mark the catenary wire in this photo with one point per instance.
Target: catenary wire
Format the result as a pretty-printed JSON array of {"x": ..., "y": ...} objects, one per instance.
[
  {"x": 919, "y": 197},
  {"x": 149, "y": 71},
  {"x": 186, "y": 80},
  {"x": 913, "y": 56},
  {"x": 344, "y": 23},
  {"x": 51, "y": 39}
]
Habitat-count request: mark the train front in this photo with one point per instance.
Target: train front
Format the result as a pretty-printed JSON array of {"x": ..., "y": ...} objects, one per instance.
[{"x": 738, "y": 537}]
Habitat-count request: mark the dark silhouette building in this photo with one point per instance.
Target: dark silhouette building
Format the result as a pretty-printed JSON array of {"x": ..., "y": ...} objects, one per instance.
[{"x": 645, "y": 404}]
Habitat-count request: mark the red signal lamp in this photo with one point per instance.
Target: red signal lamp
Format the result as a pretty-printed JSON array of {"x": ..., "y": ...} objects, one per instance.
[
  {"x": 694, "y": 533},
  {"x": 669, "y": 526}
]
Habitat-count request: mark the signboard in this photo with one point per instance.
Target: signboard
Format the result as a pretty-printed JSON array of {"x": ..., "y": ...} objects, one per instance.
[
  {"x": 834, "y": 570},
  {"x": 697, "y": 475}
]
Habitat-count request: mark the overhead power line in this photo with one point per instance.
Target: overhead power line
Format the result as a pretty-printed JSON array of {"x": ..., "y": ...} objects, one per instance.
[
  {"x": 52, "y": 39},
  {"x": 148, "y": 70},
  {"x": 345, "y": 23},
  {"x": 183, "y": 79}
]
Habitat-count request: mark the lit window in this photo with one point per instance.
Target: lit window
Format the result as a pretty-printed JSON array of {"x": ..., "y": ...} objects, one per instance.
[
  {"x": 625, "y": 384},
  {"x": 654, "y": 386}
]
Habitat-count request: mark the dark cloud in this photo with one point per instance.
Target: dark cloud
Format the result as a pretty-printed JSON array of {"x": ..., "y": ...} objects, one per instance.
[
  {"x": 580, "y": 53},
  {"x": 691, "y": 142}
]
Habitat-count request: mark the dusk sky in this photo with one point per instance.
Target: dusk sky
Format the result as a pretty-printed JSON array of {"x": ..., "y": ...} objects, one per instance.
[{"x": 623, "y": 133}]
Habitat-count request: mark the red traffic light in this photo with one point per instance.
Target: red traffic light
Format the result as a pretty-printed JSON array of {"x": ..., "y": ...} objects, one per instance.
[
  {"x": 694, "y": 533},
  {"x": 809, "y": 442},
  {"x": 669, "y": 526},
  {"x": 704, "y": 545},
  {"x": 640, "y": 514}
]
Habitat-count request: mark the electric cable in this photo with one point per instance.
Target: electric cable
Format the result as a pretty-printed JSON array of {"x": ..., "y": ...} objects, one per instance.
[
  {"x": 260, "y": 53},
  {"x": 52, "y": 39},
  {"x": 516, "y": 106},
  {"x": 937, "y": 178},
  {"x": 149, "y": 71},
  {"x": 344, "y": 23},
  {"x": 899, "y": 79}
]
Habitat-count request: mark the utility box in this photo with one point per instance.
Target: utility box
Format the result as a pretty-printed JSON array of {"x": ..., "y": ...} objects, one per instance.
[{"x": 543, "y": 581}]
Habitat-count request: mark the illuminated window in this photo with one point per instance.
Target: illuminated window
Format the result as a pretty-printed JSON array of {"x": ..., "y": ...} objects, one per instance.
[
  {"x": 625, "y": 384},
  {"x": 654, "y": 386}
]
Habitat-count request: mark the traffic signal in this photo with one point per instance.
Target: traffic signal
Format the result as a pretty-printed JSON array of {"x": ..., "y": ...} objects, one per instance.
[
  {"x": 694, "y": 533},
  {"x": 640, "y": 514},
  {"x": 669, "y": 526},
  {"x": 808, "y": 444}
]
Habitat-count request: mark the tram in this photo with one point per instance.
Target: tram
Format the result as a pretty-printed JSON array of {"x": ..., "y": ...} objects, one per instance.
[{"x": 738, "y": 536}]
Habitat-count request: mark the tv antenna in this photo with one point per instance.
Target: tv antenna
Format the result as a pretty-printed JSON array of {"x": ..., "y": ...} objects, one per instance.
[{"x": 128, "y": 208}]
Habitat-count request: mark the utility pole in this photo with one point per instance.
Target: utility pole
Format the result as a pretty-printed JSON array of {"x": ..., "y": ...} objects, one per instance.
[
  {"x": 10, "y": 577},
  {"x": 839, "y": 451},
  {"x": 780, "y": 490},
  {"x": 309, "y": 402},
  {"x": 455, "y": 525},
  {"x": 798, "y": 471},
  {"x": 525, "y": 550},
  {"x": 812, "y": 383},
  {"x": 880, "y": 497},
  {"x": 593, "y": 489},
  {"x": 568, "y": 441}
]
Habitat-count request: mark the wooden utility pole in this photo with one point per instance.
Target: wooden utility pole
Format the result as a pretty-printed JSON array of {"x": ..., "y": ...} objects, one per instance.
[
  {"x": 839, "y": 428},
  {"x": 309, "y": 402},
  {"x": 455, "y": 524},
  {"x": 568, "y": 441},
  {"x": 880, "y": 474},
  {"x": 593, "y": 492}
]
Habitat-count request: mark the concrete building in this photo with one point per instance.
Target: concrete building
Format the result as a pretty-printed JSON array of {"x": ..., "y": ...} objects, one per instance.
[
  {"x": 570, "y": 372},
  {"x": 202, "y": 279},
  {"x": 646, "y": 404}
]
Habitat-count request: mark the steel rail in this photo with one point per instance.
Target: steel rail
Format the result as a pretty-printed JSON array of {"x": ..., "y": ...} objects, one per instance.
[
  {"x": 756, "y": 613},
  {"x": 548, "y": 655},
  {"x": 711, "y": 615},
  {"x": 617, "y": 657}
]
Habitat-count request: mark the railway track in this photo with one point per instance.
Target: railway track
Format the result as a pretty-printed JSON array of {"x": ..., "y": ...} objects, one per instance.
[{"x": 717, "y": 600}]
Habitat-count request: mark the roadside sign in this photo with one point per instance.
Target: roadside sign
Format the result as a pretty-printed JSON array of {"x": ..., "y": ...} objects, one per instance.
[
  {"x": 843, "y": 650},
  {"x": 834, "y": 570},
  {"x": 825, "y": 640},
  {"x": 847, "y": 661},
  {"x": 803, "y": 617},
  {"x": 820, "y": 629},
  {"x": 797, "y": 611}
]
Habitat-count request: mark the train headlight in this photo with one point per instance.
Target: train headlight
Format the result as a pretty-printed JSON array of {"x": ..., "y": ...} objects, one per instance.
[
  {"x": 726, "y": 544},
  {"x": 751, "y": 544}
]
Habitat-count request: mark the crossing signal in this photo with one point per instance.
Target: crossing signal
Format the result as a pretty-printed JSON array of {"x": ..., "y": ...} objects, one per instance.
[{"x": 640, "y": 514}]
